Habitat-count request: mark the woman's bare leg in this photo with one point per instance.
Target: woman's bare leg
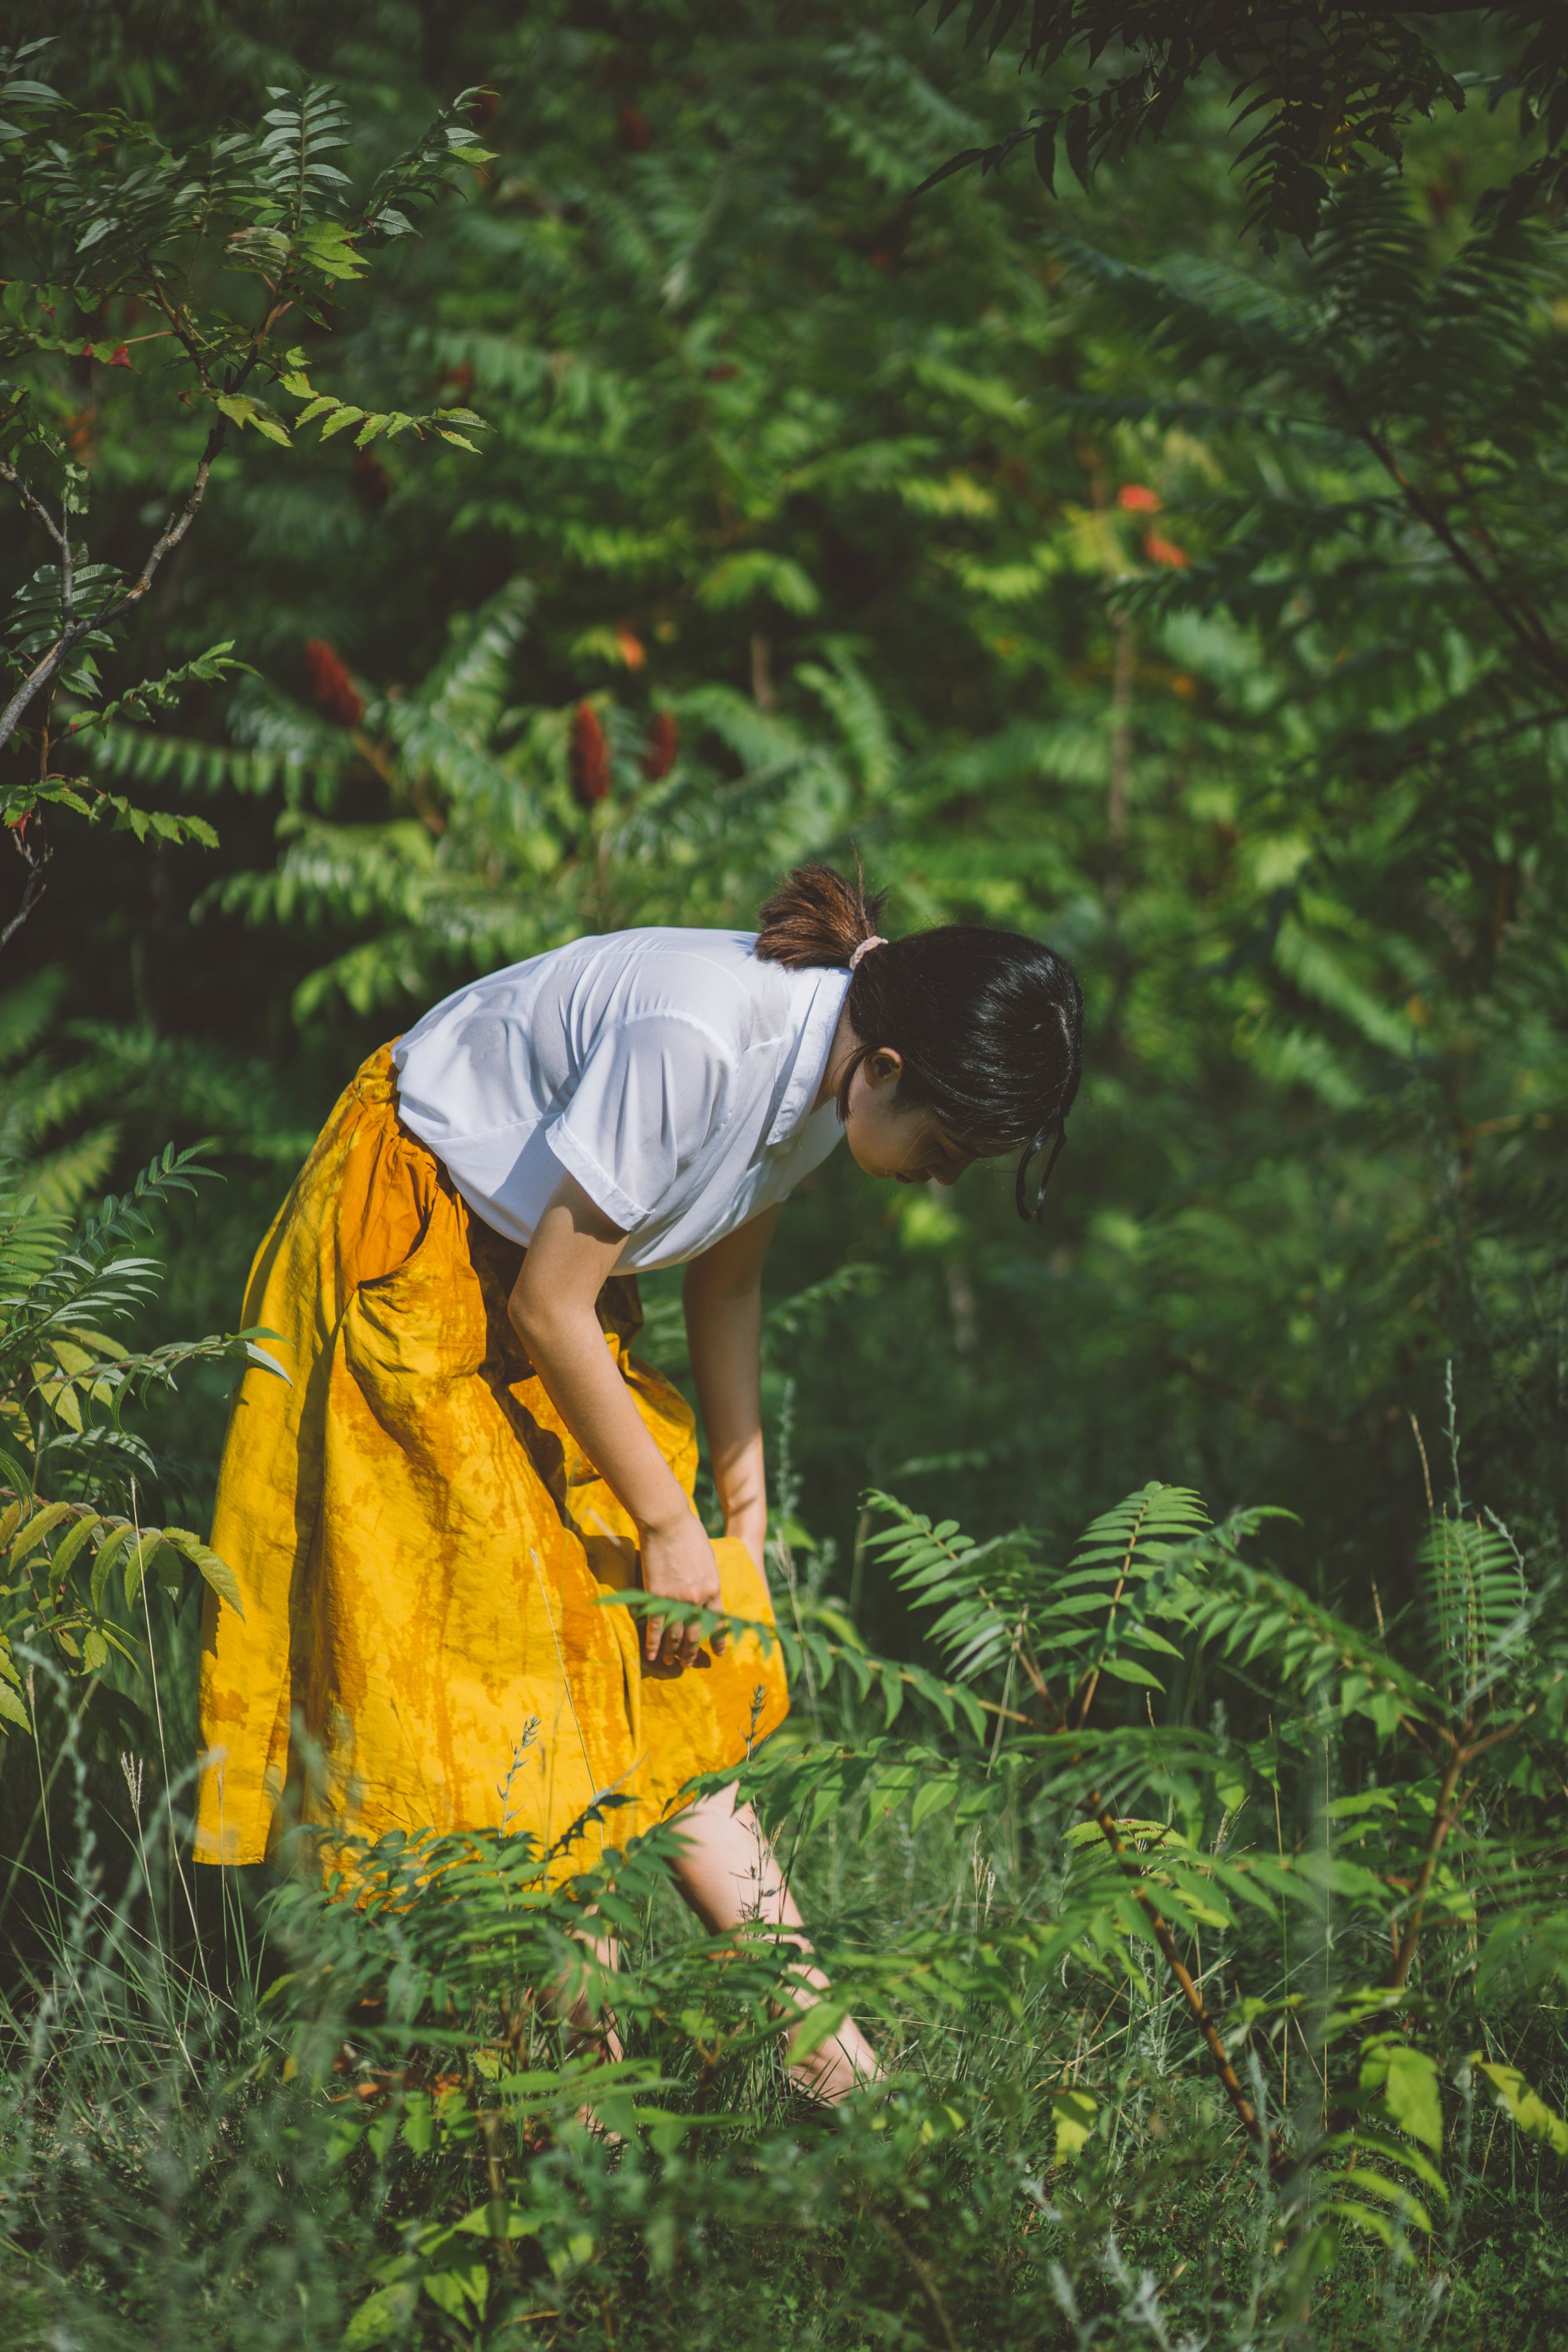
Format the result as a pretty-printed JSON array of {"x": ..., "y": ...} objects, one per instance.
[
  {"x": 591, "y": 2029},
  {"x": 588, "y": 2025},
  {"x": 728, "y": 1872}
]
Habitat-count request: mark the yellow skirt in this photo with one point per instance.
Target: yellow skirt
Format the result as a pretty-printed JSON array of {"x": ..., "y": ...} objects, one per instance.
[{"x": 421, "y": 1547}]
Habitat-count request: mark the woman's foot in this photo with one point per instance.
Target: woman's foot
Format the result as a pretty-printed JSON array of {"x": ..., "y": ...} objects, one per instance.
[
  {"x": 729, "y": 1875},
  {"x": 843, "y": 2062}
]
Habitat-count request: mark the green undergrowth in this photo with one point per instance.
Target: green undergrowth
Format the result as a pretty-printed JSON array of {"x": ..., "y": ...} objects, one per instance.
[
  {"x": 1212, "y": 1942},
  {"x": 363, "y": 2127},
  {"x": 417, "y": 2110},
  {"x": 1088, "y": 570}
]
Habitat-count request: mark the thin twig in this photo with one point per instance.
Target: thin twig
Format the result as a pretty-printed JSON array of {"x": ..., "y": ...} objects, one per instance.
[
  {"x": 30, "y": 500},
  {"x": 1521, "y": 620},
  {"x": 1230, "y": 2082},
  {"x": 173, "y": 532},
  {"x": 36, "y": 855},
  {"x": 1099, "y": 1812},
  {"x": 1444, "y": 1815},
  {"x": 1077, "y": 1714}
]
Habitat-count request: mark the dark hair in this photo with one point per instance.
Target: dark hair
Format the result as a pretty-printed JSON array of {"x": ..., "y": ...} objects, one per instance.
[{"x": 988, "y": 1025}]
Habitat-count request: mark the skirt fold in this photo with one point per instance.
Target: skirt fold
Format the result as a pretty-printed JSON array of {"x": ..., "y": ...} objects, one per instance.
[{"x": 422, "y": 1548}]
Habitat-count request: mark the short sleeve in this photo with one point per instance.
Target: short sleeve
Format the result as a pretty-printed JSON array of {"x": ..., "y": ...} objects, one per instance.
[{"x": 653, "y": 1091}]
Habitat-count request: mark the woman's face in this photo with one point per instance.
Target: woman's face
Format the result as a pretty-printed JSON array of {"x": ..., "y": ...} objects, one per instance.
[{"x": 903, "y": 1141}]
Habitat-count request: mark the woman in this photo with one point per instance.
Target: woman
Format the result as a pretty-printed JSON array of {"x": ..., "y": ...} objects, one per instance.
[{"x": 467, "y": 1458}]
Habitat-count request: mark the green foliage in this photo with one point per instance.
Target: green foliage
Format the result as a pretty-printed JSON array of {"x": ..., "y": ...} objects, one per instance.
[
  {"x": 1094, "y": 574},
  {"x": 1015, "y": 1611},
  {"x": 75, "y": 1569},
  {"x": 1291, "y": 803},
  {"x": 1147, "y": 1565},
  {"x": 100, "y": 220},
  {"x": 470, "y": 2116},
  {"x": 1334, "y": 89}
]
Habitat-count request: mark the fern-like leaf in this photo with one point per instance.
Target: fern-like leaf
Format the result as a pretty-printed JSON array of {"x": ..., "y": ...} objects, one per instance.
[{"x": 1479, "y": 1604}]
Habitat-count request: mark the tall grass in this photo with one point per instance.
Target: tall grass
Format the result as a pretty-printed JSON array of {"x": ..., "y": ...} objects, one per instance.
[
  {"x": 1212, "y": 1942},
  {"x": 265, "y": 2118}
]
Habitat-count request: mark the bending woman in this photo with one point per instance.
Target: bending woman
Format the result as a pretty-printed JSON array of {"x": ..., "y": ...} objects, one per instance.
[{"x": 468, "y": 1455}]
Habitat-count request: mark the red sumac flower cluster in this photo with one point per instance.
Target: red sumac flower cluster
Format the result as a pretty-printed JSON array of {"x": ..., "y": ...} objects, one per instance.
[
  {"x": 663, "y": 746},
  {"x": 590, "y": 760},
  {"x": 332, "y": 689}
]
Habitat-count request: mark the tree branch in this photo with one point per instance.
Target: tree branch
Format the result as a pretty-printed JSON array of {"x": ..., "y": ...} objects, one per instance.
[
  {"x": 30, "y": 500},
  {"x": 1077, "y": 1709},
  {"x": 1445, "y": 1815},
  {"x": 36, "y": 856},
  {"x": 37, "y": 677},
  {"x": 1230, "y": 2082},
  {"x": 1521, "y": 620},
  {"x": 1104, "y": 1819},
  {"x": 174, "y": 531}
]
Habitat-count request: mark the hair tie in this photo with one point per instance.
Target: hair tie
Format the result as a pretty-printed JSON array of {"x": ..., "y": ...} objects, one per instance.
[{"x": 865, "y": 949}]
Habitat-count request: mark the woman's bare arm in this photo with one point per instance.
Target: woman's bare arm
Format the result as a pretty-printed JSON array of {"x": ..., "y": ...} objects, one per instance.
[
  {"x": 573, "y": 1253},
  {"x": 723, "y": 1298}
]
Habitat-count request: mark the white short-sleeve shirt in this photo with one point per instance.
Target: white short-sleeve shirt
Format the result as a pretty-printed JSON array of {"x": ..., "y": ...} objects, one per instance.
[{"x": 671, "y": 1072}]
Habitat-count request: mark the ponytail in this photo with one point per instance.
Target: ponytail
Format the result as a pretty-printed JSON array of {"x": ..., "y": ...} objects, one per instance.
[
  {"x": 818, "y": 918},
  {"x": 988, "y": 1024}
]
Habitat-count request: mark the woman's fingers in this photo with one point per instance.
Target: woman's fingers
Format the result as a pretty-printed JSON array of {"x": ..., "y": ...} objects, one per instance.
[
  {"x": 675, "y": 1646},
  {"x": 681, "y": 1644},
  {"x": 678, "y": 1564}
]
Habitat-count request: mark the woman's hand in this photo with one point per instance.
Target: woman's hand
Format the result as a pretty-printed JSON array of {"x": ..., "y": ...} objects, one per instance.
[
  {"x": 678, "y": 1564},
  {"x": 575, "y": 1249}
]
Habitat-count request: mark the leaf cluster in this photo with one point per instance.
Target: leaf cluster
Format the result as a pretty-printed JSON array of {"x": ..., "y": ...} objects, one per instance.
[
  {"x": 1321, "y": 91},
  {"x": 77, "y": 1551},
  {"x": 211, "y": 262}
]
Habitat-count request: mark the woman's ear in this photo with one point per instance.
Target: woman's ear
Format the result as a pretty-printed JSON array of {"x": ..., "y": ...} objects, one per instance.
[{"x": 885, "y": 1067}]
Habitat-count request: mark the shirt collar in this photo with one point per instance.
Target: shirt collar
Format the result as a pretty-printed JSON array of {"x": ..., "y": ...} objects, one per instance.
[{"x": 814, "y": 1042}]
